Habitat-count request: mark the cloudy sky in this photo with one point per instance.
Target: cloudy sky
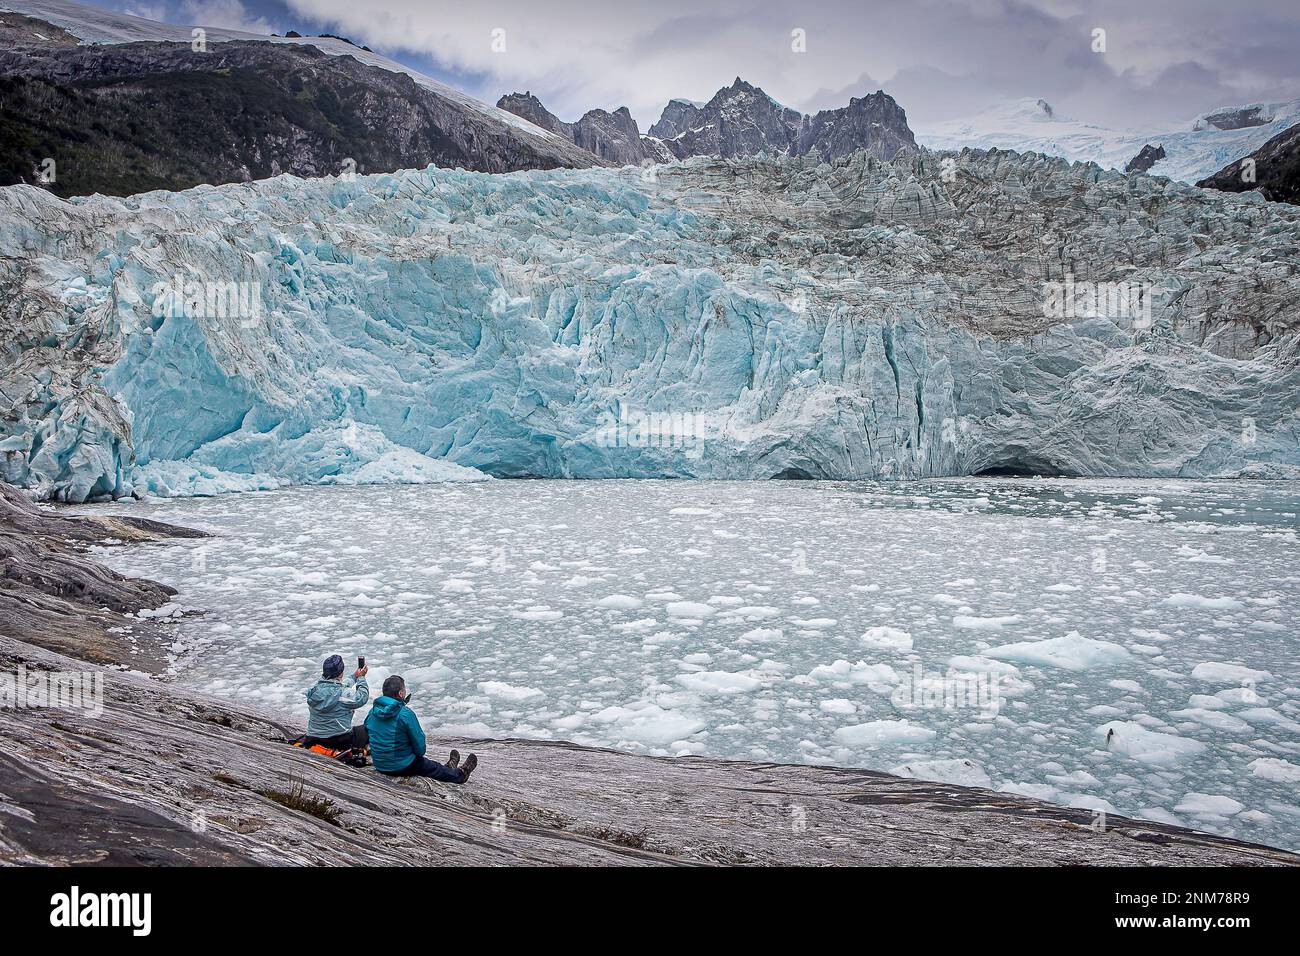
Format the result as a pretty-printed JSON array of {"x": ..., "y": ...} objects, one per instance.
[{"x": 1164, "y": 61}]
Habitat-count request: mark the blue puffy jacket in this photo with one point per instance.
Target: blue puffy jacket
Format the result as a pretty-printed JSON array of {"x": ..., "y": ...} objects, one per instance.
[
  {"x": 396, "y": 739},
  {"x": 330, "y": 705}
]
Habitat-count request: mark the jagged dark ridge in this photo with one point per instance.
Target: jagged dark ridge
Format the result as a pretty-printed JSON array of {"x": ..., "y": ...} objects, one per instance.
[
  {"x": 126, "y": 118},
  {"x": 741, "y": 120}
]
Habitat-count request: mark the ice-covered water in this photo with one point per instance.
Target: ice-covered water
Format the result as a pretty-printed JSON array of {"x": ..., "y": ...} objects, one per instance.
[{"x": 790, "y": 621}]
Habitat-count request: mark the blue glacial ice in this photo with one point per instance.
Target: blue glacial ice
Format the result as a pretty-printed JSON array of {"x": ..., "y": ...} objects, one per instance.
[{"x": 741, "y": 319}]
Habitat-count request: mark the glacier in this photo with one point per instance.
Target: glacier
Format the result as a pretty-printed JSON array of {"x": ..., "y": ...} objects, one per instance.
[{"x": 861, "y": 319}]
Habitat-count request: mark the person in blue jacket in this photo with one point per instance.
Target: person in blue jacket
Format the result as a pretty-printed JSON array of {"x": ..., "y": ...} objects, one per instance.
[
  {"x": 397, "y": 742},
  {"x": 331, "y": 701}
]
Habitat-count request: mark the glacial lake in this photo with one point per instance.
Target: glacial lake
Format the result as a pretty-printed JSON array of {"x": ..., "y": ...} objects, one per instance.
[{"x": 791, "y": 621}]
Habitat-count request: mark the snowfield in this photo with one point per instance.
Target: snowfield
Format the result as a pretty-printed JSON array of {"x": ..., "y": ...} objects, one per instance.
[
  {"x": 1192, "y": 152},
  {"x": 791, "y": 621}
]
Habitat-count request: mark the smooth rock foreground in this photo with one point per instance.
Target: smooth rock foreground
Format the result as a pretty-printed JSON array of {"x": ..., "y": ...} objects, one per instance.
[
  {"x": 166, "y": 775},
  {"x": 53, "y": 596},
  {"x": 169, "y": 776},
  {"x": 711, "y": 319}
]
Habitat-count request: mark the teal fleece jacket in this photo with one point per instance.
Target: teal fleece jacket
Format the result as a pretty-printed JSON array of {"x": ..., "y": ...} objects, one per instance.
[{"x": 396, "y": 739}]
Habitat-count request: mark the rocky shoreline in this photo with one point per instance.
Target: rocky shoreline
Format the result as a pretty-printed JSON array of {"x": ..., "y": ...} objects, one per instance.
[{"x": 168, "y": 776}]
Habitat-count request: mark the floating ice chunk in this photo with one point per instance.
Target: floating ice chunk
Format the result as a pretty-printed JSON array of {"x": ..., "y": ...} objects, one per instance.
[
  {"x": 1213, "y": 718},
  {"x": 537, "y": 614},
  {"x": 638, "y": 626},
  {"x": 1039, "y": 791},
  {"x": 1275, "y": 769},
  {"x": 888, "y": 638},
  {"x": 761, "y": 635},
  {"x": 690, "y": 609},
  {"x": 432, "y": 673},
  {"x": 1087, "y": 801},
  {"x": 503, "y": 691},
  {"x": 883, "y": 733},
  {"x": 1208, "y": 805},
  {"x": 813, "y": 623},
  {"x": 1131, "y": 686},
  {"x": 985, "y": 623},
  {"x": 169, "y": 610},
  {"x": 1072, "y": 652},
  {"x": 719, "y": 682},
  {"x": 876, "y": 676},
  {"x": 1159, "y": 815},
  {"x": 753, "y": 612},
  {"x": 838, "y": 705},
  {"x": 1078, "y": 778},
  {"x": 1196, "y": 600},
  {"x": 620, "y": 602},
  {"x": 1254, "y": 816},
  {"x": 1269, "y": 717},
  {"x": 1149, "y": 746},
  {"x": 1217, "y": 672},
  {"x": 648, "y": 723},
  {"x": 963, "y": 773},
  {"x": 1104, "y": 710},
  {"x": 981, "y": 665}
]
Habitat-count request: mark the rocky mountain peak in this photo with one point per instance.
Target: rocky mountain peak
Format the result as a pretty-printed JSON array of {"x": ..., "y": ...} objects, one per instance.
[
  {"x": 614, "y": 137},
  {"x": 743, "y": 120}
]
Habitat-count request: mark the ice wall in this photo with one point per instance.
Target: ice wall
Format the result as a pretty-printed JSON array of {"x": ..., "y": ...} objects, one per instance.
[{"x": 741, "y": 319}]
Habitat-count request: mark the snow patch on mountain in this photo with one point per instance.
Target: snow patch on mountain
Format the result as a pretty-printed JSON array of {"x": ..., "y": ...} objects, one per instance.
[{"x": 1192, "y": 152}]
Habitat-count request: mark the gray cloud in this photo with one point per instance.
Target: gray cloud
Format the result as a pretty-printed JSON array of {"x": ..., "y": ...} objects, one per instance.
[{"x": 1165, "y": 60}]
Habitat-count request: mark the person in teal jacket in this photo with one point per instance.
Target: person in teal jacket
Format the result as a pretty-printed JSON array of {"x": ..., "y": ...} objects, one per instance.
[{"x": 397, "y": 742}]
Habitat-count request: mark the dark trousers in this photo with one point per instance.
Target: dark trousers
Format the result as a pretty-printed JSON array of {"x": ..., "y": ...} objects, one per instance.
[
  {"x": 424, "y": 767},
  {"x": 358, "y": 738}
]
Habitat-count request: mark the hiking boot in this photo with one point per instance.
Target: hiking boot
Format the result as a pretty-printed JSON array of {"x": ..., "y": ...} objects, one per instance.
[
  {"x": 454, "y": 760},
  {"x": 470, "y": 763}
]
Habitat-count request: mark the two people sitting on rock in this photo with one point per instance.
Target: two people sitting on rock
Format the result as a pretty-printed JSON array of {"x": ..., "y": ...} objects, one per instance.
[
  {"x": 397, "y": 743},
  {"x": 330, "y": 704}
]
